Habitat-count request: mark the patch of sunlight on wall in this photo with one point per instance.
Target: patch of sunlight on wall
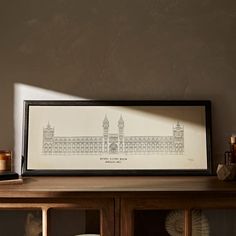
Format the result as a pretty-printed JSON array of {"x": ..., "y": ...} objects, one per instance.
[{"x": 26, "y": 92}]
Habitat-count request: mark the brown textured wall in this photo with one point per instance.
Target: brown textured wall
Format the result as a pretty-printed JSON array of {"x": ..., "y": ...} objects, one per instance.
[{"x": 134, "y": 49}]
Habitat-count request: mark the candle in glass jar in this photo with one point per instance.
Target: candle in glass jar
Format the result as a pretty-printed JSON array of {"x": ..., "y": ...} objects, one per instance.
[
  {"x": 5, "y": 160},
  {"x": 232, "y": 139}
]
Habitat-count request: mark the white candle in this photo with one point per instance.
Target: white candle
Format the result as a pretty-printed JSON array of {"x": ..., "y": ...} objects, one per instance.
[{"x": 232, "y": 139}]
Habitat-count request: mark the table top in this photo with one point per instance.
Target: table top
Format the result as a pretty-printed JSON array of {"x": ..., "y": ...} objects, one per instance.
[{"x": 53, "y": 186}]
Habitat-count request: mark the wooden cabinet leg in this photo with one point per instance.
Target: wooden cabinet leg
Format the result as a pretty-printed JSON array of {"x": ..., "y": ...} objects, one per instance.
[
  {"x": 187, "y": 222},
  {"x": 45, "y": 221}
]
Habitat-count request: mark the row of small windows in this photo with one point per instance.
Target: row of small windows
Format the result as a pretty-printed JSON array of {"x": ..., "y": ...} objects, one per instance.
[
  {"x": 143, "y": 145},
  {"x": 149, "y": 142},
  {"x": 95, "y": 150},
  {"x": 73, "y": 145},
  {"x": 86, "y": 150},
  {"x": 77, "y": 140},
  {"x": 149, "y": 139},
  {"x": 127, "y": 139},
  {"x": 100, "y": 144},
  {"x": 78, "y": 145},
  {"x": 130, "y": 145},
  {"x": 71, "y": 148},
  {"x": 66, "y": 150},
  {"x": 136, "y": 151},
  {"x": 154, "y": 149},
  {"x": 121, "y": 146},
  {"x": 170, "y": 141}
]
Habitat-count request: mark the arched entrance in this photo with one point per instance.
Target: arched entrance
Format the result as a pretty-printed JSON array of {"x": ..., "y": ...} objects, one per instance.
[{"x": 113, "y": 148}]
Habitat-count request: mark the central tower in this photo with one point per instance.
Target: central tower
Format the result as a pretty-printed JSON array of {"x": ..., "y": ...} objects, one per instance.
[
  {"x": 121, "y": 134},
  {"x": 178, "y": 135},
  {"x": 105, "y": 134},
  {"x": 48, "y": 139}
]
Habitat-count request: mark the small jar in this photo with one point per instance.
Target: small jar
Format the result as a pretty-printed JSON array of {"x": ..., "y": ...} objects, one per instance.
[{"x": 5, "y": 160}]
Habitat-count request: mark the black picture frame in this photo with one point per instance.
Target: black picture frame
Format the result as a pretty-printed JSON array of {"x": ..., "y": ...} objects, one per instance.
[{"x": 52, "y": 153}]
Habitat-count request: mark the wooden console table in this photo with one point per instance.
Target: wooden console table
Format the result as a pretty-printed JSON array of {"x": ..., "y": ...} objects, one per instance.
[{"x": 118, "y": 198}]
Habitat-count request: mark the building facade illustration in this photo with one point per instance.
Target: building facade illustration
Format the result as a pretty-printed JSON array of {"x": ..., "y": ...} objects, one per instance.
[{"x": 113, "y": 143}]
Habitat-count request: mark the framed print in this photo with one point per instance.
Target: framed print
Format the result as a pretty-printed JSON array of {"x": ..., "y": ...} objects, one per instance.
[{"x": 117, "y": 138}]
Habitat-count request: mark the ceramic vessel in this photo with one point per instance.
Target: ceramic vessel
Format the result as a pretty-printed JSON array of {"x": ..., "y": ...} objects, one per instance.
[{"x": 175, "y": 223}]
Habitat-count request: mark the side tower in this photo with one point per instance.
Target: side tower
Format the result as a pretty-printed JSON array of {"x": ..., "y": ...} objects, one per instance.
[
  {"x": 121, "y": 134},
  {"x": 105, "y": 134},
  {"x": 178, "y": 137},
  {"x": 48, "y": 139}
]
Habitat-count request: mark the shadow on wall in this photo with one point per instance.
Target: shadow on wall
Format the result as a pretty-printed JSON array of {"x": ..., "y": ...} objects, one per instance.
[{"x": 106, "y": 50}]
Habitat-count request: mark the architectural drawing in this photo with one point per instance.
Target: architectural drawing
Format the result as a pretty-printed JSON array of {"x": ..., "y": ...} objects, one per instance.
[{"x": 109, "y": 143}]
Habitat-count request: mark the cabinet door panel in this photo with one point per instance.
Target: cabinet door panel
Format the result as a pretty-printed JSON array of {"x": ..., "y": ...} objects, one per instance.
[
  {"x": 213, "y": 222},
  {"x": 152, "y": 216},
  {"x": 81, "y": 216},
  {"x": 158, "y": 222},
  {"x": 20, "y": 222},
  {"x": 69, "y": 222}
]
